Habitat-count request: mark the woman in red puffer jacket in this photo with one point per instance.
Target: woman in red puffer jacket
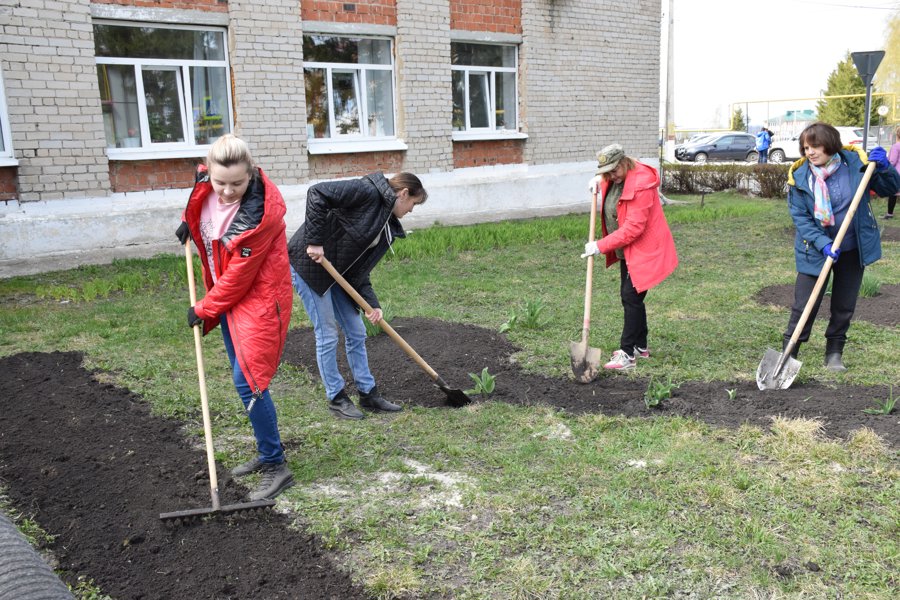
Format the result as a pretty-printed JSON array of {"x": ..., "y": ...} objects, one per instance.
[{"x": 235, "y": 216}]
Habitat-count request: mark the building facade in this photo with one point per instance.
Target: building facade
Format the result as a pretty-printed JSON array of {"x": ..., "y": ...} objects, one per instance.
[{"x": 108, "y": 105}]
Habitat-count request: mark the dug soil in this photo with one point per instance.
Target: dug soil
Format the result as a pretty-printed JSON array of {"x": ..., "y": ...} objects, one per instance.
[{"x": 94, "y": 468}]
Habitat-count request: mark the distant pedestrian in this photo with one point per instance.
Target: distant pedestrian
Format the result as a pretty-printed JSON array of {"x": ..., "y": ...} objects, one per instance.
[
  {"x": 636, "y": 235},
  {"x": 763, "y": 141},
  {"x": 894, "y": 159}
]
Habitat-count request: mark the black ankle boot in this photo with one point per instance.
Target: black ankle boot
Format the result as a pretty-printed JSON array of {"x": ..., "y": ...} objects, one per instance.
[
  {"x": 374, "y": 402},
  {"x": 833, "y": 351}
]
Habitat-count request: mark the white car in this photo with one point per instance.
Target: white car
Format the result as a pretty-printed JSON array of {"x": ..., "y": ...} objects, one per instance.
[
  {"x": 784, "y": 150},
  {"x": 854, "y": 136}
]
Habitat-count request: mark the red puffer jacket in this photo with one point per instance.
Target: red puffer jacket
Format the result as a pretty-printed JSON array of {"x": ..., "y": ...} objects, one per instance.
[
  {"x": 253, "y": 279},
  {"x": 643, "y": 232}
]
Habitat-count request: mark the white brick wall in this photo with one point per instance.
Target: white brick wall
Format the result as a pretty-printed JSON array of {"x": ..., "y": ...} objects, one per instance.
[
  {"x": 47, "y": 53},
  {"x": 423, "y": 84},
  {"x": 266, "y": 49},
  {"x": 590, "y": 77}
]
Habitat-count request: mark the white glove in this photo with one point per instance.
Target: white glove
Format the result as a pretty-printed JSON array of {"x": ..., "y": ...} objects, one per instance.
[
  {"x": 590, "y": 249},
  {"x": 594, "y": 185}
]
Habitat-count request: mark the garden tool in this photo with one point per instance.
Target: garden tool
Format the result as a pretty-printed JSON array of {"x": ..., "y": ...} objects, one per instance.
[
  {"x": 777, "y": 370},
  {"x": 586, "y": 360},
  {"x": 455, "y": 397},
  {"x": 188, "y": 515}
]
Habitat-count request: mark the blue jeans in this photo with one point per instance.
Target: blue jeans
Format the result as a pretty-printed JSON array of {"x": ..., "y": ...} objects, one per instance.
[
  {"x": 327, "y": 312},
  {"x": 763, "y": 156},
  {"x": 262, "y": 416}
]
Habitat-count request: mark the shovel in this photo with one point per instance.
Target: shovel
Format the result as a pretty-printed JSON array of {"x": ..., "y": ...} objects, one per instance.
[
  {"x": 194, "y": 513},
  {"x": 586, "y": 360},
  {"x": 455, "y": 398},
  {"x": 777, "y": 370}
]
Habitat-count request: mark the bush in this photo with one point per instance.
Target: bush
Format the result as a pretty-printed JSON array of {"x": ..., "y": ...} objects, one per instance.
[{"x": 771, "y": 180}]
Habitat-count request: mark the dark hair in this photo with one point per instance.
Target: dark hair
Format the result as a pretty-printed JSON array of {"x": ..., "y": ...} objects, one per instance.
[
  {"x": 820, "y": 134},
  {"x": 410, "y": 182}
]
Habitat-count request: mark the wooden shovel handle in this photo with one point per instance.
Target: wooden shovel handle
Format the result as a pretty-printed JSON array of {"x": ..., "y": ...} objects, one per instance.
[
  {"x": 383, "y": 324},
  {"x": 589, "y": 280},
  {"x": 201, "y": 376},
  {"x": 823, "y": 275}
]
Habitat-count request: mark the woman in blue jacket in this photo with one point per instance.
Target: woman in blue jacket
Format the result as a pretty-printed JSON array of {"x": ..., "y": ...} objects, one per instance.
[
  {"x": 821, "y": 186},
  {"x": 352, "y": 223}
]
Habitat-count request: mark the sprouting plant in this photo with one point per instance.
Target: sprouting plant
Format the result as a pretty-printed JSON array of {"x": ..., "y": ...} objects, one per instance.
[
  {"x": 484, "y": 383},
  {"x": 371, "y": 328},
  {"x": 657, "y": 391},
  {"x": 883, "y": 407},
  {"x": 513, "y": 317},
  {"x": 529, "y": 318},
  {"x": 870, "y": 286},
  {"x": 732, "y": 393}
]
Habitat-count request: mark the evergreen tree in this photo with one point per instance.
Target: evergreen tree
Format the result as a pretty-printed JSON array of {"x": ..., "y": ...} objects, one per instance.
[
  {"x": 737, "y": 120},
  {"x": 845, "y": 80}
]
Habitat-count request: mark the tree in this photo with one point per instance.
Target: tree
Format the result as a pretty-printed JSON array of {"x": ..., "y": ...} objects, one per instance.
[
  {"x": 888, "y": 75},
  {"x": 737, "y": 120},
  {"x": 845, "y": 80}
]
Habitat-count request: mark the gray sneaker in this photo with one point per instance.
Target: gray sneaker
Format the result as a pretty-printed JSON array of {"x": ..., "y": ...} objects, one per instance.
[
  {"x": 275, "y": 479},
  {"x": 251, "y": 466}
]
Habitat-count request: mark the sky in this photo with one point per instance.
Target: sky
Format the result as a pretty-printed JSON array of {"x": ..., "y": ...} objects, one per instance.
[{"x": 720, "y": 57}]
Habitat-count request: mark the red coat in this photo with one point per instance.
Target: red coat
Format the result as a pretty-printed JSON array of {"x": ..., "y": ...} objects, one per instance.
[
  {"x": 643, "y": 232},
  {"x": 253, "y": 278}
]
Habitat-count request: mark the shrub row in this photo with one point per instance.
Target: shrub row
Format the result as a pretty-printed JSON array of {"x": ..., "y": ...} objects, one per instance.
[{"x": 765, "y": 181}]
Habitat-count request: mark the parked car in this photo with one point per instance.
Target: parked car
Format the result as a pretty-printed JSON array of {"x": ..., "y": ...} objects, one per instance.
[
  {"x": 785, "y": 150},
  {"x": 731, "y": 145},
  {"x": 854, "y": 136}
]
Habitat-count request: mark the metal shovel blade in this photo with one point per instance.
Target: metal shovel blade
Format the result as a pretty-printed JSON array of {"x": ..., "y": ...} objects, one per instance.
[
  {"x": 585, "y": 361},
  {"x": 770, "y": 377},
  {"x": 455, "y": 398}
]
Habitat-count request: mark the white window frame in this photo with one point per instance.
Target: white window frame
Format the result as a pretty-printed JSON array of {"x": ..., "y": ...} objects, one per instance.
[
  {"x": 490, "y": 132},
  {"x": 339, "y": 143},
  {"x": 187, "y": 148},
  {"x": 7, "y": 156}
]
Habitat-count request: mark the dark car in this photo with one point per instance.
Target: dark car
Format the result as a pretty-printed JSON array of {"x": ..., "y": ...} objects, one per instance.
[{"x": 721, "y": 146}]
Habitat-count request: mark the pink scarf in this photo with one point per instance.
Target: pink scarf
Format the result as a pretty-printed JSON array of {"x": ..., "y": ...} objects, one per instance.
[{"x": 822, "y": 211}]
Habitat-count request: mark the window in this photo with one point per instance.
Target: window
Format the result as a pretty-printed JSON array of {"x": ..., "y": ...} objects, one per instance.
[
  {"x": 484, "y": 88},
  {"x": 6, "y": 153},
  {"x": 349, "y": 91},
  {"x": 162, "y": 88}
]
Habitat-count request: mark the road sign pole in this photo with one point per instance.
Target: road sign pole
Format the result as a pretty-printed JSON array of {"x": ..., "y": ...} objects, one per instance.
[{"x": 867, "y": 63}]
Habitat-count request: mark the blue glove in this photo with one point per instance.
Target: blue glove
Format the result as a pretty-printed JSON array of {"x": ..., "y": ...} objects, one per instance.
[
  {"x": 829, "y": 253},
  {"x": 878, "y": 156}
]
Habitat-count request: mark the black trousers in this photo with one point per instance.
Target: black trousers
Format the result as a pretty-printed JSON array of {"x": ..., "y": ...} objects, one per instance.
[
  {"x": 634, "y": 332},
  {"x": 892, "y": 203},
  {"x": 847, "y": 276}
]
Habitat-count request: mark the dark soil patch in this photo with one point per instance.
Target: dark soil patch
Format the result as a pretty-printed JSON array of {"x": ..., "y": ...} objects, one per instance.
[
  {"x": 96, "y": 469},
  {"x": 454, "y": 350},
  {"x": 883, "y": 309}
]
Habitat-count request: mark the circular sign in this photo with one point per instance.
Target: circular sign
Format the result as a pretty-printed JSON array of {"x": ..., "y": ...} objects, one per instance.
[{"x": 882, "y": 110}]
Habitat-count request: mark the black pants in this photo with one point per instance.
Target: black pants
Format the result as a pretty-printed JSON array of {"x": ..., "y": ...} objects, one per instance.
[
  {"x": 892, "y": 202},
  {"x": 634, "y": 332},
  {"x": 847, "y": 276}
]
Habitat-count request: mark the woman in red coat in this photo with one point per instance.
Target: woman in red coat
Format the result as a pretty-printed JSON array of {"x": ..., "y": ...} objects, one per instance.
[
  {"x": 235, "y": 216},
  {"x": 636, "y": 235}
]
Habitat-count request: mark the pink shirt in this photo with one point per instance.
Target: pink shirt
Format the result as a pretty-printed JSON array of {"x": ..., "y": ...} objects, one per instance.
[
  {"x": 215, "y": 217},
  {"x": 894, "y": 156}
]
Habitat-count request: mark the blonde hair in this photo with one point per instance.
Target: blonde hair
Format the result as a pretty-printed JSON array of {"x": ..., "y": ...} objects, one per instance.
[
  {"x": 625, "y": 160},
  {"x": 230, "y": 150}
]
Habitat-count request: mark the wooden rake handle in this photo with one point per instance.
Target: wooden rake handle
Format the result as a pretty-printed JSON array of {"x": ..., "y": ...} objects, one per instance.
[
  {"x": 383, "y": 324},
  {"x": 589, "y": 279}
]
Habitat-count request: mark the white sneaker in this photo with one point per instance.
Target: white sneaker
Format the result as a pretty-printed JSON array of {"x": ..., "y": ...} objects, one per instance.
[
  {"x": 641, "y": 352},
  {"x": 620, "y": 361}
]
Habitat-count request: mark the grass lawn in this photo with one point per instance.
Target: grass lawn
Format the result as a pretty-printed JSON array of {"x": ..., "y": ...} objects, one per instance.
[{"x": 499, "y": 501}]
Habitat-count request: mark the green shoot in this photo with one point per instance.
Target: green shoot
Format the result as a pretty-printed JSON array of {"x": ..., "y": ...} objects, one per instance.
[
  {"x": 657, "y": 391},
  {"x": 484, "y": 383},
  {"x": 883, "y": 407}
]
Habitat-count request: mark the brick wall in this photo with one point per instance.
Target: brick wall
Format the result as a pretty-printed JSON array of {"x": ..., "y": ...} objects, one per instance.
[
  {"x": 52, "y": 95},
  {"x": 584, "y": 86},
  {"x": 8, "y": 189},
  {"x": 487, "y": 153},
  {"x": 377, "y": 12},
  {"x": 331, "y": 166},
  {"x": 500, "y": 16},
  {"x": 266, "y": 42},
  {"x": 140, "y": 175},
  {"x": 216, "y": 5},
  {"x": 423, "y": 82}
]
